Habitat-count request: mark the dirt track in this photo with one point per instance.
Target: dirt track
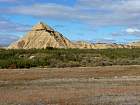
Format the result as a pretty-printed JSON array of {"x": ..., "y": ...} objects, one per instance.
[{"x": 118, "y": 85}]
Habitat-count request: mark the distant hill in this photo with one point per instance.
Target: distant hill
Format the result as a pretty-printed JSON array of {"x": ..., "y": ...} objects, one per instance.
[
  {"x": 87, "y": 45},
  {"x": 43, "y": 36},
  {"x": 135, "y": 44},
  {"x": 3, "y": 46}
]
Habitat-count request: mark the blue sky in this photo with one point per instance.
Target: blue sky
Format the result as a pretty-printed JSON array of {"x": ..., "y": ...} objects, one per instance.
[{"x": 113, "y": 21}]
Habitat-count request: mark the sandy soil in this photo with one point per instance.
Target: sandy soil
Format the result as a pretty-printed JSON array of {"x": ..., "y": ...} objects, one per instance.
[{"x": 117, "y": 85}]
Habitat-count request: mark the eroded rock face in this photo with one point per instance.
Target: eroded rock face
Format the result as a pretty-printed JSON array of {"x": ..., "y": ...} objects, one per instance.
[
  {"x": 86, "y": 45},
  {"x": 42, "y": 36}
]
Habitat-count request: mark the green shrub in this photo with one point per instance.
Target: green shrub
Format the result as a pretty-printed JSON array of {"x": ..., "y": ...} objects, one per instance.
[{"x": 52, "y": 57}]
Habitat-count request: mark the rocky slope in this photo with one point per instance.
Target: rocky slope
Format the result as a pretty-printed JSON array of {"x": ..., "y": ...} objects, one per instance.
[
  {"x": 82, "y": 44},
  {"x": 43, "y": 36}
]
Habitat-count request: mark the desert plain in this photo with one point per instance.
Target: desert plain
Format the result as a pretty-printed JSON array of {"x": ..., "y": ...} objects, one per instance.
[{"x": 110, "y": 85}]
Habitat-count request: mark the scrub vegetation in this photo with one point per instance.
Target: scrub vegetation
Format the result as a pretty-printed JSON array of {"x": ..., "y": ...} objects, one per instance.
[{"x": 60, "y": 58}]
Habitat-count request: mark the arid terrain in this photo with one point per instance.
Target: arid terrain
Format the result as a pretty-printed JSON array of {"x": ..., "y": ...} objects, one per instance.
[{"x": 116, "y": 85}]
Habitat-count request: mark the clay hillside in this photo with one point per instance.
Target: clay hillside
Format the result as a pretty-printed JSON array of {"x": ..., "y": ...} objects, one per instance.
[
  {"x": 43, "y": 36},
  {"x": 135, "y": 44}
]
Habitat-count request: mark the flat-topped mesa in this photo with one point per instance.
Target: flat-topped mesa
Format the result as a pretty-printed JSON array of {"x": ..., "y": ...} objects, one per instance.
[{"x": 41, "y": 26}]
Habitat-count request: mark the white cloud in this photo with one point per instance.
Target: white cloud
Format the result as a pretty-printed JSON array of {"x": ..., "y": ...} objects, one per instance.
[
  {"x": 132, "y": 30},
  {"x": 135, "y": 32},
  {"x": 93, "y": 12}
]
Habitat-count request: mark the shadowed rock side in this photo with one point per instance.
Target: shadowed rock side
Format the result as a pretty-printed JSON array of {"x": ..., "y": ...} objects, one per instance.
[{"x": 43, "y": 36}]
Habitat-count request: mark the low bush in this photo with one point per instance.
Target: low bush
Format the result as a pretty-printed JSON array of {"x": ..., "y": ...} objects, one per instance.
[{"x": 51, "y": 57}]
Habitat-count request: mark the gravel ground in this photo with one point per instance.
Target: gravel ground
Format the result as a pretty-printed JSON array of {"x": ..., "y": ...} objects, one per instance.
[{"x": 71, "y": 86}]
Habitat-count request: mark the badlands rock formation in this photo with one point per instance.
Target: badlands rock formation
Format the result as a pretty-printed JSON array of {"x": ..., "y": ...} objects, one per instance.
[
  {"x": 82, "y": 44},
  {"x": 43, "y": 36}
]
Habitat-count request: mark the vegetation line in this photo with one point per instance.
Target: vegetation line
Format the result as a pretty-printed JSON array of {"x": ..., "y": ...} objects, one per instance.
[{"x": 59, "y": 58}]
